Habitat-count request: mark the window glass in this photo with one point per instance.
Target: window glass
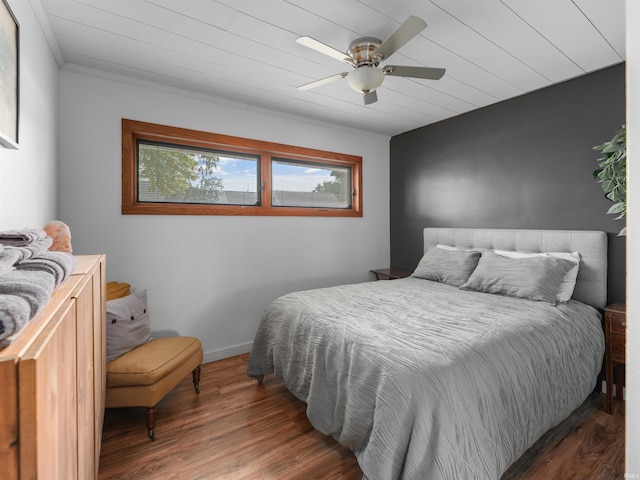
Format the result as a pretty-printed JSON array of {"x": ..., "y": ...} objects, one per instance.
[
  {"x": 305, "y": 184},
  {"x": 179, "y": 174}
]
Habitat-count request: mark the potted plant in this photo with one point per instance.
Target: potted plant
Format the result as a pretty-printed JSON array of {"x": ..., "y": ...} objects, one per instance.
[{"x": 612, "y": 173}]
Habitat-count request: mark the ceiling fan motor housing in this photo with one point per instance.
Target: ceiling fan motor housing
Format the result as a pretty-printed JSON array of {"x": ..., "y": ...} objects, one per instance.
[{"x": 361, "y": 51}]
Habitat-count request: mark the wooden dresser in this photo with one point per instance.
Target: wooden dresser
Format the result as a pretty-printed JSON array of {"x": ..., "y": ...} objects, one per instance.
[{"x": 52, "y": 383}]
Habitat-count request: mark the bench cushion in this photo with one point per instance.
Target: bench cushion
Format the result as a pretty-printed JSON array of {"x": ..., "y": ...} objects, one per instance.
[{"x": 154, "y": 360}]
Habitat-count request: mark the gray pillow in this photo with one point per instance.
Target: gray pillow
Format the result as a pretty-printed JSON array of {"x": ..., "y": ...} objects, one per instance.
[
  {"x": 452, "y": 267},
  {"x": 127, "y": 324},
  {"x": 535, "y": 278}
]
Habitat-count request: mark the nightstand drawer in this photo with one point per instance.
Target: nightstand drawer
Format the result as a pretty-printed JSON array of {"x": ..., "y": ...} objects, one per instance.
[
  {"x": 618, "y": 323},
  {"x": 615, "y": 331},
  {"x": 617, "y": 346}
]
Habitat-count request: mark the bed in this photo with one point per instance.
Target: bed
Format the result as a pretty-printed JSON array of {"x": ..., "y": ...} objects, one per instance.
[{"x": 423, "y": 379}]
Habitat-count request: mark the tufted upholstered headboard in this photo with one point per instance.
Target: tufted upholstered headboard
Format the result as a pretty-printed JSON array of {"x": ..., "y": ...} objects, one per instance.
[{"x": 591, "y": 285}]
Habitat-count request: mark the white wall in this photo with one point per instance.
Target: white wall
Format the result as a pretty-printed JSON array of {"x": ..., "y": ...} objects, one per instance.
[
  {"x": 28, "y": 176},
  {"x": 633, "y": 240},
  {"x": 209, "y": 276}
]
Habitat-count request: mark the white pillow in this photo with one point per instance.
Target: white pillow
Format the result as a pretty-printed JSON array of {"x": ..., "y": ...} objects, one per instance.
[
  {"x": 569, "y": 280},
  {"x": 449, "y": 247},
  {"x": 128, "y": 324}
]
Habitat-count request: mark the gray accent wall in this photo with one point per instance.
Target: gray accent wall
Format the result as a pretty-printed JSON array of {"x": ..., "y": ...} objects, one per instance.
[{"x": 522, "y": 163}]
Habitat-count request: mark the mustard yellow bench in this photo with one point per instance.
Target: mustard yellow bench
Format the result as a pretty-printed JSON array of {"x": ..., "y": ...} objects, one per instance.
[
  {"x": 141, "y": 370},
  {"x": 143, "y": 376}
]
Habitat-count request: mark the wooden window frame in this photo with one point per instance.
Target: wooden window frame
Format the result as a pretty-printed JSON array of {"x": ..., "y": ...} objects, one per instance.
[{"x": 133, "y": 130}]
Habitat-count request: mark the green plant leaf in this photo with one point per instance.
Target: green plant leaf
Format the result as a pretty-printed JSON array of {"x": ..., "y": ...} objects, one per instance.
[
  {"x": 616, "y": 208},
  {"x": 611, "y": 173}
]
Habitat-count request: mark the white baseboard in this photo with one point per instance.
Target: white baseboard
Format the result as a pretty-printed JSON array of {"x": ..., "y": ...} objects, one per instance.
[{"x": 226, "y": 352}]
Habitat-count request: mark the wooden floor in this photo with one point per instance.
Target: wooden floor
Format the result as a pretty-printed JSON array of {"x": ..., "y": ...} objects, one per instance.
[{"x": 238, "y": 429}]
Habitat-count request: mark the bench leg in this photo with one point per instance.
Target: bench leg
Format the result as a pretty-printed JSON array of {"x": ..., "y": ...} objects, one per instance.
[
  {"x": 150, "y": 415},
  {"x": 196, "y": 378}
]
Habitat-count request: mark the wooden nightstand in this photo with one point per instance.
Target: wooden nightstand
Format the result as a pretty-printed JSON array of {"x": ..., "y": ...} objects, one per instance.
[
  {"x": 390, "y": 273},
  {"x": 615, "y": 327}
]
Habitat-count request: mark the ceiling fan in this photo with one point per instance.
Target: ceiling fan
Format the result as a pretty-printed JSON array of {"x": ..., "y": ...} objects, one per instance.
[{"x": 365, "y": 54}]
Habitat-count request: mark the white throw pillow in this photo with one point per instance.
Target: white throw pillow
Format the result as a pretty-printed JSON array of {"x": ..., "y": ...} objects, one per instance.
[
  {"x": 449, "y": 247},
  {"x": 127, "y": 324}
]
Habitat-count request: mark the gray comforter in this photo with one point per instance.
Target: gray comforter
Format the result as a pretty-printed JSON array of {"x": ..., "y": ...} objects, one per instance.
[{"x": 425, "y": 381}]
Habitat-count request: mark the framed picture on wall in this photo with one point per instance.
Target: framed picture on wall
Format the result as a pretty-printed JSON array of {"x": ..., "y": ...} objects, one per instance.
[{"x": 9, "y": 76}]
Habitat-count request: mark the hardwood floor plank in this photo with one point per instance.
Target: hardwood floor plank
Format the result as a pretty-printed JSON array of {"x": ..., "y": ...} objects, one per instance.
[
  {"x": 238, "y": 429},
  {"x": 592, "y": 449}
]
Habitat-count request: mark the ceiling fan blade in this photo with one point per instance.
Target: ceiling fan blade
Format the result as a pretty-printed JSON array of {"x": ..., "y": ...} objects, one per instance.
[
  {"x": 324, "y": 48},
  {"x": 370, "y": 97},
  {"x": 322, "y": 81},
  {"x": 414, "y": 72},
  {"x": 411, "y": 27}
]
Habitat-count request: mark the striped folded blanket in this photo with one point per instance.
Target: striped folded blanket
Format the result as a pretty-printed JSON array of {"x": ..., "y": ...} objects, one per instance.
[
  {"x": 28, "y": 275},
  {"x": 33, "y": 249},
  {"x": 15, "y": 312},
  {"x": 22, "y": 295},
  {"x": 22, "y": 238},
  {"x": 9, "y": 256},
  {"x": 58, "y": 264},
  {"x": 33, "y": 286}
]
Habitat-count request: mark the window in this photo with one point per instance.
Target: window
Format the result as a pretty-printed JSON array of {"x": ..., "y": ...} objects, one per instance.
[
  {"x": 175, "y": 171},
  {"x": 182, "y": 174},
  {"x": 305, "y": 184}
]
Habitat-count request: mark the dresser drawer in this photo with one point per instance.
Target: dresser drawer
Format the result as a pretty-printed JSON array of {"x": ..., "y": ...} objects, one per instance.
[
  {"x": 617, "y": 345},
  {"x": 618, "y": 323}
]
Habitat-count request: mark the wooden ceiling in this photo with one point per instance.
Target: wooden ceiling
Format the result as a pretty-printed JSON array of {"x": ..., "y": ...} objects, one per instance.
[{"x": 246, "y": 50}]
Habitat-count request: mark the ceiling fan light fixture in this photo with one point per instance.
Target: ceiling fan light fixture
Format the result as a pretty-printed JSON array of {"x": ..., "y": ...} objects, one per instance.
[
  {"x": 365, "y": 55},
  {"x": 365, "y": 79}
]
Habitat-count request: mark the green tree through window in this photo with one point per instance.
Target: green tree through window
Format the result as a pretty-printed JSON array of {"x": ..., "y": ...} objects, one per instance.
[
  {"x": 179, "y": 174},
  {"x": 208, "y": 188},
  {"x": 154, "y": 164},
  {"x": 338, "y": 186}
]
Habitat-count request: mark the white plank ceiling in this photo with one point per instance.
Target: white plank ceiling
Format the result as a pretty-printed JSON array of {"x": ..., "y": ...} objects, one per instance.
[{"x": 246, "y": 50}]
